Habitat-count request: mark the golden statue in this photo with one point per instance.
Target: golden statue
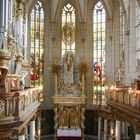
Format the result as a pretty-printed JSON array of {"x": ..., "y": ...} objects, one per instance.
[{"x": 65, "y": 119}]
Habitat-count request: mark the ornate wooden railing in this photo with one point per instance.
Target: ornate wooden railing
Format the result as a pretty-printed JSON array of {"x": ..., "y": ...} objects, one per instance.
[
  {"x": 125, "y": 96},
  {"x": 13, "y": 104},
  {"x": 100, "y": 99}
]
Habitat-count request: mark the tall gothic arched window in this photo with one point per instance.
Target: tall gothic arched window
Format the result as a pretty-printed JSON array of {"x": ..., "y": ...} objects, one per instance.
[
  {"x": 37, "y": 41},
  {"x": 99, "y": 31},
  {"x": 68, "y": 29}
]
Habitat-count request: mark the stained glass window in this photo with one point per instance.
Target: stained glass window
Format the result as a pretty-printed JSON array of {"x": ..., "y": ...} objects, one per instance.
[
  {"x": 99, "y": 31},
  {"x": 68, "y": 28},
  {"x": 37, "y": 40}
]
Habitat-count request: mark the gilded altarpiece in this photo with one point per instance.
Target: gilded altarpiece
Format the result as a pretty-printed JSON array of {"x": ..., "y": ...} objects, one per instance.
[{"x": 69, "y": 99}]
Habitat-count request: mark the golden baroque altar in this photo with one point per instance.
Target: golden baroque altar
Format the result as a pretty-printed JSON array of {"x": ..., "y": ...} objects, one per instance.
[{"x": 69, "y": 98}]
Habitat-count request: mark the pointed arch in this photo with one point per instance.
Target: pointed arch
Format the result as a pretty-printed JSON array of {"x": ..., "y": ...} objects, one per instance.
[
  {"x": 74, "y": 3},
  {"x": 107, "y": 5}
]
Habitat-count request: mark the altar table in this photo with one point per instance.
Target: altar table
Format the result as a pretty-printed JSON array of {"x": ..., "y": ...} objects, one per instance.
[{"x": 69, "y": 134}]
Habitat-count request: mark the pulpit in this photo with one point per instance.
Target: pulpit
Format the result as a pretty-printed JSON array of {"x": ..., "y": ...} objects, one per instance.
[{"x": 69, "y": 99}]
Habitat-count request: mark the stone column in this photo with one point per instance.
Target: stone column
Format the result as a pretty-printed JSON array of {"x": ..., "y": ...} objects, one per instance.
[
  {"x": 126, "y": 129},
  {"x": 1, "y": 13},
  {"x": 137, "y": 137},
  {"x": 32, "y": 130},
  {"x": 123, "y": 129},
  {"x": 21, "y": 136},
  {"x": 137, "y": 132},
  {"x": 118, "y": 132},
  {"x": 20, "y": 25},
  {"x": 111, "y": 130},
  {"x": 19, "y": 22},
  {"x": 26, "y": 133},
  {"x": 38, "y": 128},
  {"x": 99, "y": 128},
  {"x": 105, "y": 129},
  {"x": 131, "y": 52},
  {"x": 6, "y": 15}
]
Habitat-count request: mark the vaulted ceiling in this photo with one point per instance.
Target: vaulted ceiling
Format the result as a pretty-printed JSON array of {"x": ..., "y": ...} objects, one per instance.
[{"x": 83, "y": 3}]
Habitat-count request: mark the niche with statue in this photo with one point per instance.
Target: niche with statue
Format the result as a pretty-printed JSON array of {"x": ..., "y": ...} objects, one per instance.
[{"x": 69, "y": 75}]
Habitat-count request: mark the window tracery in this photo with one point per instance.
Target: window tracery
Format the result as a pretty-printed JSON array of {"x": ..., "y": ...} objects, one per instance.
[
  {"x": 37, "y": 40},
  {"x": 68, "y": 28}
]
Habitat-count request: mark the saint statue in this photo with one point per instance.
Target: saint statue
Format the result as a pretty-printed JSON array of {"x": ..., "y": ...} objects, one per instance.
[{"x": 68, "y": 69}]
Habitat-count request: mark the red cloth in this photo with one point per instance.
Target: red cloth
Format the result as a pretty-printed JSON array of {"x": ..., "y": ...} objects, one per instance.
[
  {"x": 33, "y": 76},
  {"x": 69, "y": 138}
]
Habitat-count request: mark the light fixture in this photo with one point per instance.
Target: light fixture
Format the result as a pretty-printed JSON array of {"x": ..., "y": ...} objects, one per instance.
[
  {"x": 112, "y": 87},
  {"x": 112, "y": 132},
  {"x": 130, "y": 91}
]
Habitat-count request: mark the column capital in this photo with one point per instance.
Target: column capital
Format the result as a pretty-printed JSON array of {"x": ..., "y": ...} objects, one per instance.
[
  {"x": 110, "y": 18},
  {"x": 33, "y": 118},
  {"x": 105, "y": 116},
  {"x": 22, "y": 132},
  {"x": 111, "y": 117},
  {"x": 38, "y": 114}
]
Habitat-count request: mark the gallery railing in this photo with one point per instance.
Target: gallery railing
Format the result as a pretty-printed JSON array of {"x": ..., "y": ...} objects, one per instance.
[
  {"x": 125, "y": 96},
  {"x": 15, "y": 104}
]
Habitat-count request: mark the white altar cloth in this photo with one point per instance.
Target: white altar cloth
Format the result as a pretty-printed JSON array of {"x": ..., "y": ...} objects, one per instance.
[{"x": 69, "y": 132}]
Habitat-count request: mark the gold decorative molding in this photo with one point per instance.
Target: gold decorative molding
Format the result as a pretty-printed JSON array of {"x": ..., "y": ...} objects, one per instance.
[{"x": 69, "y": 100}]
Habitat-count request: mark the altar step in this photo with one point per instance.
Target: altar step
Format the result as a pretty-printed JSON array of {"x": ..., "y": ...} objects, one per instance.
[
  {"x": 69, "y": 138},
  {"x": 53, "y": 137}
]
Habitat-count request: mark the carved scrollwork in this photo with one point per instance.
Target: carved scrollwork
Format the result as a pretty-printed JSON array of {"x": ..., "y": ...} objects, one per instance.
[{"x": 1, "y": 106}]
